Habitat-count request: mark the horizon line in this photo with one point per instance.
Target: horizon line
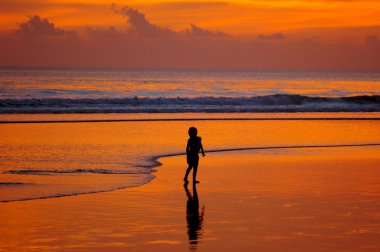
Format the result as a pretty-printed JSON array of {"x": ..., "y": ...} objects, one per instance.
[{"x": 24, "y": 67}]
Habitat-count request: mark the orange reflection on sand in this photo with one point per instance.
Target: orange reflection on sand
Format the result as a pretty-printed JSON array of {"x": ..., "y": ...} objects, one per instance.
[{"x": 260, "y": 200}]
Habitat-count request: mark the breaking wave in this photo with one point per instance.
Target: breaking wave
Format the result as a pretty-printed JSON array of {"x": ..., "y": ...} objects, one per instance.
[{"x": 270, "y": 103}]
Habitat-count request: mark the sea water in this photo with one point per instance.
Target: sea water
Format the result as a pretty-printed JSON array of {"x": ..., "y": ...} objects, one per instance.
[
  {"x": 60, "y": 90},
  {"x": 78, "y": 153}
]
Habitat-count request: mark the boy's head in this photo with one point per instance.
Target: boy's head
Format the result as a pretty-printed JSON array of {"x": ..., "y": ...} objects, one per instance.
[{"x": 193, "y": 132}]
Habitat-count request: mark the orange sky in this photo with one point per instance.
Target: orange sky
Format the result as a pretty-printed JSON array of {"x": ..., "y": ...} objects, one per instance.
[
  {"x": 234, "y": 17},
  {"x": 333, "y": 35}
]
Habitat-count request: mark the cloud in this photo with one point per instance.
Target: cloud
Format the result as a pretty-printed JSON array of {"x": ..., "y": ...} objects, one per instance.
[
  {"x": 38, "y": 27},
  {"x": 140, "y": 25},
  {"x": 275, "y": 36},
  {"x": 147, "y": 45}
]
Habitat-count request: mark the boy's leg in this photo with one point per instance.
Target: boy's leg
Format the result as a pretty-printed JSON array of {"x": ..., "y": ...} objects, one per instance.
[
  {"x": 195, "y": 174},
  {"x": 187, "y": 172}
]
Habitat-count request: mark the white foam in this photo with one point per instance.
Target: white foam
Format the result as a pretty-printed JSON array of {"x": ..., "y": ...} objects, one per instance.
[{"x": 270, "y": 103}]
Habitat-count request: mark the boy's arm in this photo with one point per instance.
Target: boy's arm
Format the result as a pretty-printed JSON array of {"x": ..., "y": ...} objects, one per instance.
[{"x": 203, "y": 153}]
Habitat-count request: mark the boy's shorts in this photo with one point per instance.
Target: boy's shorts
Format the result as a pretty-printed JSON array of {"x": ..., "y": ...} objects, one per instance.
[{"x": 193, "y": 160}]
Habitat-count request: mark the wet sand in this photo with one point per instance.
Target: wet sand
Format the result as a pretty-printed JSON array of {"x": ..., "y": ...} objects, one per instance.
[
  {"x": 56, "y": 159},
  {"x": 322, "y": 199}
]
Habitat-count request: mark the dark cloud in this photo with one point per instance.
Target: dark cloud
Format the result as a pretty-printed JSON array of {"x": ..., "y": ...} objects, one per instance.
[
  {"x": 146, "y": 45},
  {"x": 36, "y": 26},
  {"x": 140, "y": 25},
  {"x": 275, "y": 36}
]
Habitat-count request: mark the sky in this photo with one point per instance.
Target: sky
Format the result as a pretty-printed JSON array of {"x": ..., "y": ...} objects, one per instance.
[{"x": 333, "y": 35}]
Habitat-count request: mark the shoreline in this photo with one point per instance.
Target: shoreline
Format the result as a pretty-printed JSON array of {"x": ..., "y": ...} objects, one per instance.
[
  {"x": 157, "y": 163},
  {"x": 90, "y": 157},
  {"x": 185, "y": 117}
]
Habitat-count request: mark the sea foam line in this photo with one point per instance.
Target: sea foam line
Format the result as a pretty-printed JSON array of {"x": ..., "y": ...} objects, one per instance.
[
  {"x": 269, "y": 103},
  {"x": 70, "y": 194},
  {"x": 75, "y": 171}
]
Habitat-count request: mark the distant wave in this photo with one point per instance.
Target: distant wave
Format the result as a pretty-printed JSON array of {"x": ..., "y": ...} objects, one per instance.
[{"x": 270, "y": 103}]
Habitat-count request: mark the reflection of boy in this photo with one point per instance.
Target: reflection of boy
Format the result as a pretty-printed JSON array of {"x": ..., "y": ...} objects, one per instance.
[
  {"x": 193, "y": 216},
  {"x": 194, "y": 145}
]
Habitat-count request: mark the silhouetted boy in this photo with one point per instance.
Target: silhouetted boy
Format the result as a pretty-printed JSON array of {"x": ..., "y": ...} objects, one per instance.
[{"x": 194, "y": 145}]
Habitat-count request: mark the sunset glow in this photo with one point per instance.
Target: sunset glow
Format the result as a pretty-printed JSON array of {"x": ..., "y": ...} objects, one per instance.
[
  {"x": 235, "y": 17},
  {"x": 276, "y": 34},
  {"x": 190, "y": 125}
]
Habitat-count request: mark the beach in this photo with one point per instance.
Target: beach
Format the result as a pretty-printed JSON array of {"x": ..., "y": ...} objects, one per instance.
[
  {"x": 275, "y": 199},
  {"x": 107, "y": 108}
]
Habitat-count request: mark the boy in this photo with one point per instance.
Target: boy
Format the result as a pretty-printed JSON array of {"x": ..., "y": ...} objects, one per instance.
[{"x": 194, "y": 145}]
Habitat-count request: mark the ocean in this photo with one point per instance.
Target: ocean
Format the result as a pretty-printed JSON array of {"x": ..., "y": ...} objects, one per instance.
[
  {"x": 68, "y": 132},
  {"x": 75, "y": 91}
]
